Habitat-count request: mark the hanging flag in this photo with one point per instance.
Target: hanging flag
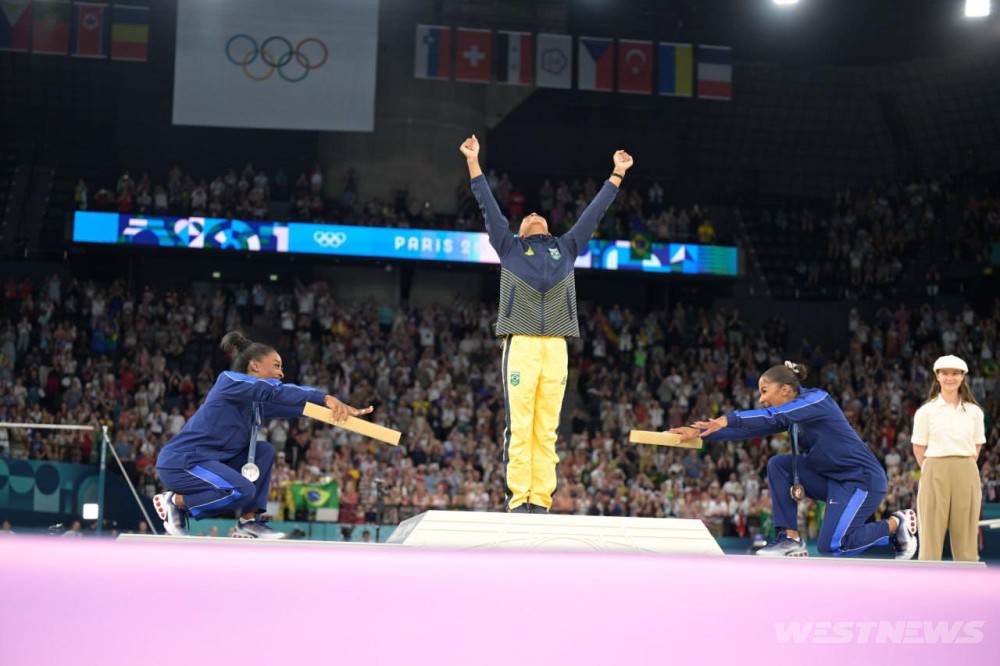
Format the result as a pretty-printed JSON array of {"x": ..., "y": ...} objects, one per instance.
[
  {"x": 433, "y": 59},
  {"x": 515, "y": 58},
  {"x": 554, "y": 65},
  {"x": 257, "y": 64},
  {"x": 473, "y": 55},
  {"x": 596, "y": 64},
  {"x": 90, "y": 35},
  {"x": 675, "y": 69},
  {"x": 715, "y": 72},
  {"x": 635, "y": 66},
  {"x": 15, "y": 25},
  {"x": 130, "y": 33},
  {"x": 50, "y": 35}
]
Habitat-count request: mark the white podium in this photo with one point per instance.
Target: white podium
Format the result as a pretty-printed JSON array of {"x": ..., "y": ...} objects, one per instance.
[{"x": 469, "y": 530}]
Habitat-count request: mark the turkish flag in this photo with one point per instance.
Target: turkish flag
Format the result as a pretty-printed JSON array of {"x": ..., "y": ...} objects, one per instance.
[
  {"x": 473, "y": 55},
  {"x": 635, "y": 66}
]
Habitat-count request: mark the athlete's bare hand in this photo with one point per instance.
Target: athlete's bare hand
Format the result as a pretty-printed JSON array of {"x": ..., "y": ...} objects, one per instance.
[
  {"x": 623, "y": 161},
  {"x": 470, "y": 148},
  {"x": 341, "y": 411}
]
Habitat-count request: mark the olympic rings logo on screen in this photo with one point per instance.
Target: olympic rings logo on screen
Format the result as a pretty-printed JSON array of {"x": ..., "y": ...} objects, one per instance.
[
  {"x": 330, "y": 239},
  {"x": 292, "y": 63}
]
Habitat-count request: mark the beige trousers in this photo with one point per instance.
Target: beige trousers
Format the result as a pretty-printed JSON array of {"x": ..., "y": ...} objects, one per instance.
[{"x": 949, "y": 500}]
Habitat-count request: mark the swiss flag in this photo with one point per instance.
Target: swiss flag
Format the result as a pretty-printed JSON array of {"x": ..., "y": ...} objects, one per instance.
[
  {"x": 635, "y": 66},
  {"x": 473, "y": 55}
]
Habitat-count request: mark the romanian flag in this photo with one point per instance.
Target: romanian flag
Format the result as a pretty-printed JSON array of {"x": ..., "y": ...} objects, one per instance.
[
  {"x": 130, "y": 33},
  {"x": 51, "y": 28},
  {"x": 676, "y": 70}
]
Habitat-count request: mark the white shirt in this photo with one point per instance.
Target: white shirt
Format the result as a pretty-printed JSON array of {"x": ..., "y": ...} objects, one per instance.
[{"x": 948, "y": 430}]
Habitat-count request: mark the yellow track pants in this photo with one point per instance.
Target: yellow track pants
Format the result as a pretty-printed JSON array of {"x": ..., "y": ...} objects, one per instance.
[{"x": 534, "y": 380}]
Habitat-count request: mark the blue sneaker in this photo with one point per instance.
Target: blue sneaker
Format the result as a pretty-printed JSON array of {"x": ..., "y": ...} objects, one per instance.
[
  {"x": 257, "y": 529},
  {"x": 175, "y": 518},
  {"x": 905, "y": 538},
  {"x": 784, "y": 546}
]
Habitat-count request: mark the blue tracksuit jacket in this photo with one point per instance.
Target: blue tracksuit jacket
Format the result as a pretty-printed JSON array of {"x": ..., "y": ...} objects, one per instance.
[
  {"x": 826, "y": 438},
  {"x": 230, "y": 416}
]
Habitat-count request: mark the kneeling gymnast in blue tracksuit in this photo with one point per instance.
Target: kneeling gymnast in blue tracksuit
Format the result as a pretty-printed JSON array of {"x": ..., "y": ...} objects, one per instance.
[
  {"x": 201, "y": 466},
  {"x": 833, "y": 466}
]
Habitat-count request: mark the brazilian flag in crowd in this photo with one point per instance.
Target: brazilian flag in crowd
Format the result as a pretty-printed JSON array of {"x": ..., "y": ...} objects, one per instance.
[
  {"x": 642, "y": 241},
  {"x": 312, "y": 496}
]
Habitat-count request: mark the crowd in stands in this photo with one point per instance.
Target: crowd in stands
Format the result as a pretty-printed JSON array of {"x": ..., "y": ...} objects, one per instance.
[
  {"x": 251, "y": 194},
  {"x": 979, "y": 232},
  {"x": 856, "y": 248},
  {"x": 78, "y": 352},
  {"x": 244, "y": 194},
  {"x": 561, "y": 201},
  {"x": 852, "y": 248}
]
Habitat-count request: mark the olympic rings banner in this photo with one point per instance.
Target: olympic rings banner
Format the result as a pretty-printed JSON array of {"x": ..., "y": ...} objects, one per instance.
[
  {"x": 294, "y": 64},
  {"x": 407, "y": 244}
]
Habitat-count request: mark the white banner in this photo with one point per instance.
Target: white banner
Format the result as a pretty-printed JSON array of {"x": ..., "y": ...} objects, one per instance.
[
  {"x": 554, "y": 61},
  {"x": 294, "y": 64}
]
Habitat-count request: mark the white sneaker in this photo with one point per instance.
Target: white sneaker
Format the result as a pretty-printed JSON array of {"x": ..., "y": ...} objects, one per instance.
[
  {"x": 784, "y": 546},
  {"x": 174, "y": 517},
  {"x": 257, "y": 529},
  {"x": 905, "y": 538}
]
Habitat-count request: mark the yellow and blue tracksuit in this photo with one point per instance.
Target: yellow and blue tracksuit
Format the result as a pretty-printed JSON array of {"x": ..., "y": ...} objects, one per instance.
[
  {"x": 202, "y": 462},
  {"x": 834, "y": 466},
  {"x": 537, "y": 313}
]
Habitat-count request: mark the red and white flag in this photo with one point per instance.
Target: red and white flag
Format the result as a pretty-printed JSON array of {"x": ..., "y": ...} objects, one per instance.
[
  {"x": 595, "y": 64},
  {"x": 515, "y": 58},
  {"x": 635, "y": 66},
  {"x": 473, "y": 55},
  {"x": 15, "y": 25},
  {"x": 89, "y": 38},
  {"x": 715, "y": 72},
  {"x": 433, "y": 52}
]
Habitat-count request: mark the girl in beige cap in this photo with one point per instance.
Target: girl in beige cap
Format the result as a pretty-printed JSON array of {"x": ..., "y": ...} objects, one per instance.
[{"x": 948, "y": 434}]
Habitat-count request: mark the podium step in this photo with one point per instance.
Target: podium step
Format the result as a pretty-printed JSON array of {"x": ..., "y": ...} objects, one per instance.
[{"x": 468, "y": 530}]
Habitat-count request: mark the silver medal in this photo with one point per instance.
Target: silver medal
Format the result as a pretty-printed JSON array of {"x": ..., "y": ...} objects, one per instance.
[{"x": 250, "y": 471}]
